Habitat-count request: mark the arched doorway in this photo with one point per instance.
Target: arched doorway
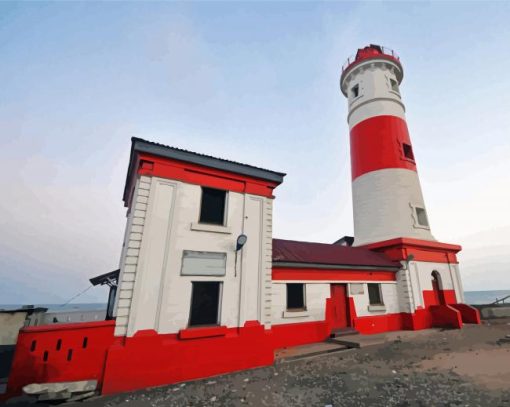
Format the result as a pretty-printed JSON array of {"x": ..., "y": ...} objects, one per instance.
[{"x": 437, "y": 288}]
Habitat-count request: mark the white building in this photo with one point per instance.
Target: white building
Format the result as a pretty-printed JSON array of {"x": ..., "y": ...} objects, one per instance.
[{"x": 204, "y": 288}]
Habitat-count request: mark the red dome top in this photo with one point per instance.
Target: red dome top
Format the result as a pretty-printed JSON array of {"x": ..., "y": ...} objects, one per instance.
[{"x": 370, "y": 52}]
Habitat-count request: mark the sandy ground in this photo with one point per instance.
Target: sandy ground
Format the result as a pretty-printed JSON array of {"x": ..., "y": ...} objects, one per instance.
[{"x": 428, "y": 368}]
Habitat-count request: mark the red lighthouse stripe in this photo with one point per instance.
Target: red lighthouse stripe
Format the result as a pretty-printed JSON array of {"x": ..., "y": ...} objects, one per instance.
[{"x": 380, "y": 142}]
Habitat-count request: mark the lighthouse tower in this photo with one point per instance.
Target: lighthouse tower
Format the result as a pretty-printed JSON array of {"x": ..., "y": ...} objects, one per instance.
[{"x": 387, "y": 198}]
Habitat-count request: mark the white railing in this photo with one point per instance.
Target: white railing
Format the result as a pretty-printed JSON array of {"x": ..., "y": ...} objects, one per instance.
[{"x": 385, "y": 51}]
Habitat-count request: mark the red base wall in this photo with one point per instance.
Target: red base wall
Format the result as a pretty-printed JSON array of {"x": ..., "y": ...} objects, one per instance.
[
  {"x": 40, "y": 357},
  {"x": 149, "y": 359}
]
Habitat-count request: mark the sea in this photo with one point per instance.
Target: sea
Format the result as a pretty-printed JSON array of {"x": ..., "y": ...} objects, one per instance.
[
  {"x": 89, "y": 306},
  {"x": 485, "y": 297},
  {"x": 472, "y": 297}
]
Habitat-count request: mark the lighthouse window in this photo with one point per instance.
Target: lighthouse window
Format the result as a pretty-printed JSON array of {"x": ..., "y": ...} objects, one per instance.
[
  {"x": 408, "y": 151},
  {"x": 394, "y": 85},
  {"x": 205, "y": 302},
  {"x": 355, "y": 91},
  {"x": 421, "y": 216},
  {"x": 295, "y": 297},
  {"x": 374, "y": 294},
  {"x": 212, "y": 210}
]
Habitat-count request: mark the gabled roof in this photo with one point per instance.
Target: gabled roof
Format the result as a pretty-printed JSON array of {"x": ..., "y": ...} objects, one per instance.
[
  {"x": 143, "y": 146},
  {"x": 291, "y": 251}
]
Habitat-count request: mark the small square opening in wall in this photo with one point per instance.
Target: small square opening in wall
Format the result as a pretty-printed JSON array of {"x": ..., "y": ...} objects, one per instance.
[
  {"x": 295, "y": 297},
  {"x": 355, "y": 91},
  {"x": 394, "y": 85},
  {"x": 421, "y": 217},
  {"x": 408, "y": 151},
  {"x": 212, "y": 209},
  {"x": 205, "y": 303},
  {"x": 374, "y": 294}
]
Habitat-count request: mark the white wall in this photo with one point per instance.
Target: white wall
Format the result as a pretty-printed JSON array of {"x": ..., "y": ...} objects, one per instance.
[
  {"x": 315, "y": 301},
  {"x": 159, "y": 297},
  {"x": 316, "y": 295},
  {"x": 375, "y": 97},
  {"x": 383, "y": 203},
  {"x": 421, "y": 279},
  {"x": 389, "y": 297}
]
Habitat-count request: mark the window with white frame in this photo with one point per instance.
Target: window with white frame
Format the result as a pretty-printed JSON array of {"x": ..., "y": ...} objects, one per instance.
[
  {"x": 421, "y": 216},
  {"x": 375, "y": 294},
  {"x": 296, "y": 297}
]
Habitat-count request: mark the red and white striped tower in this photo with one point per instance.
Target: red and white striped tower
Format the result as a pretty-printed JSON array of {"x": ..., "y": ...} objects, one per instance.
[{"x": 386, "y": 192}]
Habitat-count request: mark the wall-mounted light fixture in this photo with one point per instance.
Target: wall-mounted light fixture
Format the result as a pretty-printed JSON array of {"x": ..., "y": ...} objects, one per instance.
[{"x": 241, "y": 240}]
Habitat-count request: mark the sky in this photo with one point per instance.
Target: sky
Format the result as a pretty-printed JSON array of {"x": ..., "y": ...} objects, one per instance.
[{"x": 251, "y": 82}]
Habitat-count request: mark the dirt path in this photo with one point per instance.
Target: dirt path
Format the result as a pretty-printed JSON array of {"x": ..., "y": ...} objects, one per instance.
[{"x": 441, "y": 368}]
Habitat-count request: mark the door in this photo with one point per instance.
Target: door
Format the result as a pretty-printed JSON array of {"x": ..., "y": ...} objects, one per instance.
[
  {"x": 340, "y": 306},
  {"x": 438, "y": 293}
]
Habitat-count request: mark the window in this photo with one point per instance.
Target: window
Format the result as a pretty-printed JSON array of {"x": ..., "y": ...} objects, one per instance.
[
  {"x": 295, "y": 297},
  {"x": 213, "y": 206},
  {"x": 394, "y": 85},
  {"x": 205, "y": 302},
  {"x": 408, "y": 151},
  {"x": 374, "y": 294},
  {"x": 355, "y": 91},
  {"x": 421, "y": 217}
]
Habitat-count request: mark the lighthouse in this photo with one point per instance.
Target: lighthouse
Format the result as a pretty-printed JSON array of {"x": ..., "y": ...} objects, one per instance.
[{"x": 387, "y": 198}]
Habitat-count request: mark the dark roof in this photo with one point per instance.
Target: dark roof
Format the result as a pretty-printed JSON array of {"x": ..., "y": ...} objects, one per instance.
[
  {"x": 161, "y": 150},
  {"x": 345, "y": 241},
  {"x": 291, "y": 251},
  {"x": 105, "y": 278}
]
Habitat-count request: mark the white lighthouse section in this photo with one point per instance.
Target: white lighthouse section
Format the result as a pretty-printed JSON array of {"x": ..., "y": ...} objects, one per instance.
[
  {"x": 387, "y": 199},
  {"x": 154, "y": 291},
  {"x": 374, "y": 95},
  {"x": 384, "y": 206}
]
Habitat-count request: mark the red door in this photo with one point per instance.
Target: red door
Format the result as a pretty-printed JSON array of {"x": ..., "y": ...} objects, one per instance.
[{"x": 340, "y": 308}]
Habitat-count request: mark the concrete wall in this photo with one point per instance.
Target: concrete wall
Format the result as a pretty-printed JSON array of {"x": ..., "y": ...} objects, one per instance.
[
  {"x": 421, "y": 280},
  {"x": 163, "y": 223},
  {"x": 10, "y": 324},
  {"x": 71, "y": 316}
]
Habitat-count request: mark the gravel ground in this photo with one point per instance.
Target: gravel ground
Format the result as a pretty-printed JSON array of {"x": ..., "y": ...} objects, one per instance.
[{"x": 439, "y": 368}]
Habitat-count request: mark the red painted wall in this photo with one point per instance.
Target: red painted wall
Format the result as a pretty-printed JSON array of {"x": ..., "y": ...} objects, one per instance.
[
  {"x": 315, "y": 274},
  {"x": 197, "y": 174},
  {"x": 74, "y": 360},
  {"x": 148, "y": 359},
  {"x": 376, "y": 143}
]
